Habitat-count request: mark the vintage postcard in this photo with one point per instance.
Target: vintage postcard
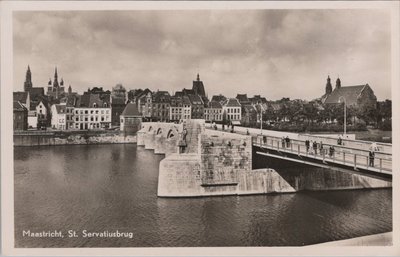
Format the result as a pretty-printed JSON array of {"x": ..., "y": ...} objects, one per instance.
[{"x": 200, "y": 128}]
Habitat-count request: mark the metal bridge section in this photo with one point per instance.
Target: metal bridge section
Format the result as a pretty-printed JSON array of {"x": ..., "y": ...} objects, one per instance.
[{"x": 341, "y": 157}]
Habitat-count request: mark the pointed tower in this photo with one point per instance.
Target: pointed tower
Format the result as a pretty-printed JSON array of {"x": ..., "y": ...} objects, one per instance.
[
  {"x": 328, "y": 88},
  {"x": 338, "y": 83},
  {"x": 28, "y": 80},
  {"x": 198, "y": 86},
  {"x": 55, "y": 82},
  {"x": 69, "y": 90}
]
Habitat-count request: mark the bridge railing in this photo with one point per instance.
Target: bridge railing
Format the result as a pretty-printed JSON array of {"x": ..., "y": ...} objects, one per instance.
[{"x": 357, "y": 158}]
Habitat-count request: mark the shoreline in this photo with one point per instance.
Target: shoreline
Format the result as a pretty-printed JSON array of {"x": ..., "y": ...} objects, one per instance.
[{"x": 54, "y": 138}]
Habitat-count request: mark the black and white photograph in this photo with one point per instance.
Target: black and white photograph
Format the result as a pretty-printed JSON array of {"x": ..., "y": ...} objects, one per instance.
[{"x": 226, "y": 128}]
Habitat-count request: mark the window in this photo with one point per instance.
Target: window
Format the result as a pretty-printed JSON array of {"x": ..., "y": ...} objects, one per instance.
[{"x": 86, "y": 112}]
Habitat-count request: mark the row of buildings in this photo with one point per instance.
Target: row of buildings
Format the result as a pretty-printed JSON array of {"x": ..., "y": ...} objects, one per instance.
[{"x": 97, "y": 108}]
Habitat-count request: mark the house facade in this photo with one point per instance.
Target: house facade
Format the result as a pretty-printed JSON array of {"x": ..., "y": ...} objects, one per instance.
[{"x": 232, "y": 111}]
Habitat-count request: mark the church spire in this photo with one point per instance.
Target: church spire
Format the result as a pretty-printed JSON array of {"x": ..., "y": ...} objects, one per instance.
[
  {"x": 338, "y": 83},
  {"x": 198, "y": 77},
  {"x": 28, "y": 80},
  {"x": 55, "y": 82},
  {"x": 328, "y": 88}
]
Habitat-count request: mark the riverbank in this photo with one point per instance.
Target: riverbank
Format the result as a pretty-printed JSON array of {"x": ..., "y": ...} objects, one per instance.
[{"x": 49, "y": 138}]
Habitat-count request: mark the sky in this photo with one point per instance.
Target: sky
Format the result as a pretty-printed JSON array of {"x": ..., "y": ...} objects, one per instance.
[{"x": 275, "y": 53}]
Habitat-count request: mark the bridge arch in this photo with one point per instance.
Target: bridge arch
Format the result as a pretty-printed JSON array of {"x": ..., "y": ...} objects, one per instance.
[
  {"x": 171, "y": 134},
  {"x": 150, "y": 128},
  {"x": 159, "y": 131}
]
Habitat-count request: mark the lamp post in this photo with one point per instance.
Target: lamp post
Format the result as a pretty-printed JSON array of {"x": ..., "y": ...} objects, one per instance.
[
  {"x": 344, "y": 101},
  {"x": 261, "y": 125}
]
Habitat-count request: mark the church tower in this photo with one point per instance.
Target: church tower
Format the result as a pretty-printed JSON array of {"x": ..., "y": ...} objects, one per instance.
[
  {"x": 338, "y": 83},
  {"x": 55, "y": 82},
  {"x": 328, "y": 88},
  {"x": 28, "y": 80},
  {"x": 198, "y": 86}
]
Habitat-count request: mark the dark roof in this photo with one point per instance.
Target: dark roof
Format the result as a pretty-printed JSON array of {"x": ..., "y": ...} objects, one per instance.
[
  {"x": 257, "y": 99},
  {"x": 232, "y": 102},
  {"x": 242, "y": 98},
  {"x": 131, "y": 110},
  {"x": 195, "y": 99},
  {"x": 36, "y": 92},
  {"x": 188, "y": 91},
  {"x": 20, "y": 96},
  {"x": 186, "y": 100},
  {"x": 60, "y": 108},
  {"x": 350, "y": 93},
  {"x": 70, "y": 100},
  {"x": 88, "y": 100},
  {"x": 218, "y": 98},
  {"x": 178, "y": 93},
  {"x": 161, "y": 96},
  {"x": 17, "y": 106},
  {"x": 214, "y": 105}
]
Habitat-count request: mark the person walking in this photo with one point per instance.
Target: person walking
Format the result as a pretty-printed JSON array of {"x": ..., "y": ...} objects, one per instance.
[
  {"x": 331, "y": 151},
  {"x": 339, "y": 141},
  {"x": 287, "y": 139},
  {"x": 315, "y": 147},
  {"x": 283, "y": 142},
  {"x": 371, "y": 158},
  {"x": 321, "y": 148},
  {"x": 307, "y": 145}
]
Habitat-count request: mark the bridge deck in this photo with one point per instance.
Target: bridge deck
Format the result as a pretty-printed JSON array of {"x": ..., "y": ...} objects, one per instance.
[{"x": 350, "y": 157}]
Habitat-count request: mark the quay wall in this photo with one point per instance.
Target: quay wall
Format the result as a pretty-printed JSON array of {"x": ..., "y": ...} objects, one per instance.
[{"x": 75, "y": 138}]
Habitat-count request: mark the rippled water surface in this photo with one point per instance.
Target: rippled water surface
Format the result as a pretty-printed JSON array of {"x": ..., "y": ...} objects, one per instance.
[{"x": 113, "y": 187}]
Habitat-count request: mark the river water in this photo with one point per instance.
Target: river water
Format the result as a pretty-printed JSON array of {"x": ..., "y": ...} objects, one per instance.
[{"x": 113, "y": 187}]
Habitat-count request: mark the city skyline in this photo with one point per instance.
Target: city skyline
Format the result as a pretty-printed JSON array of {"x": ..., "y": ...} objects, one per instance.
[{"x": 263, "y": 52}]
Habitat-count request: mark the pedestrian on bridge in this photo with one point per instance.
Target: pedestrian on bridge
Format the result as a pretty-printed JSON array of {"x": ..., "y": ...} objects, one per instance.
[
  {"x": 307, "y": 145},
  {"x": 321, "y": 148},
  {"x": 371, "y": 158},
  {"x": 339, "y": 141},
  {"x": 287, "y": 139},
  {"x": 283, "y": 142},
  {"x": 315, "y": 147},
  {"x": 331, "y": 151}
]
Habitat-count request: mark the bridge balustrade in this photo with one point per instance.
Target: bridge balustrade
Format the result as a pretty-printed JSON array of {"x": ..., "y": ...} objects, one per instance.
[{"x": 356, "y": 158}]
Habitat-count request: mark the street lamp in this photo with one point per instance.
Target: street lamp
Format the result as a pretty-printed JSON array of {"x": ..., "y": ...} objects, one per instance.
[
  {"x": 261, "y": 111},
  {"x": 344, "y": 101}
]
